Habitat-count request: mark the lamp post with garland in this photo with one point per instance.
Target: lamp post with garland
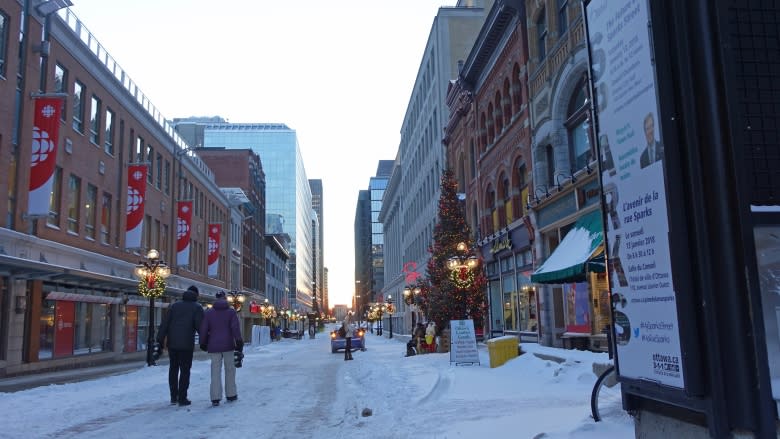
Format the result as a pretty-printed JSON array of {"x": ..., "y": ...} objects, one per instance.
[
  {"x": 390, "y": 311},
  {"x": 151, "y": 275},
  {"x": 235, "y": 299}
]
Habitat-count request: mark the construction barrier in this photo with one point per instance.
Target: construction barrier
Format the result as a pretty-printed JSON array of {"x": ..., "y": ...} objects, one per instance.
[{"x": 502, "y": 349}]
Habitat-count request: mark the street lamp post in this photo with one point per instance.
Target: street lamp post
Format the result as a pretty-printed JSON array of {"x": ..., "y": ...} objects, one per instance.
[
  {"x": 410, "y": 295},
  {"x": 390, "y": 312},
  {"x": 235, "y": 299},
  {"x": 151, "y": 274}
]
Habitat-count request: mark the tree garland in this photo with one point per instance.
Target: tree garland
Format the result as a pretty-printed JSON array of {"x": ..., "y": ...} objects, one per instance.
[{"x": 152, "y": 286}]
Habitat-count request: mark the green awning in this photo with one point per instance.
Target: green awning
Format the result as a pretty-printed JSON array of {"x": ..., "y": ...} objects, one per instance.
[{"x": 580, "y": 252}]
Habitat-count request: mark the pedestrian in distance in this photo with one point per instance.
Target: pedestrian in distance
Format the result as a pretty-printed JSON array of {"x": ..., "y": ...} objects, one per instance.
[
  {"x": 178, "y": 328},
  {"x": 346, "y": 332},
  {"x": 220, "y": 336}
]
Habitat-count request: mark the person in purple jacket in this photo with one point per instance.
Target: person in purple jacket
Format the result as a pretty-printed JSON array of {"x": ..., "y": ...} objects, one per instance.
[{"x": 220, "y": 335}]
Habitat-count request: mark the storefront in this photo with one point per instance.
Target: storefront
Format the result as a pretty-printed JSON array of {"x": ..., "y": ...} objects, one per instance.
[
  {"x": 511, "y": 296},
  {"x": 575, "y": 271}
]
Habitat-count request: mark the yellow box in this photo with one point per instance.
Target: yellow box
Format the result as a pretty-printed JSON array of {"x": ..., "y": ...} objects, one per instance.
[{"x": 502, "y": 349}]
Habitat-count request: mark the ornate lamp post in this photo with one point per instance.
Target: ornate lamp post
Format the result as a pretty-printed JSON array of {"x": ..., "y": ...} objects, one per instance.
[
  {"x": 410, "y": 298},
  {"x": 267, "y": 311},
  {"x": 235, "y": 299},
  {"x": 462, "y": 266},
  {"x": 151, "y": 274},
  {"x": 390, "y": 311},
  {"x": 464, "y": 260}
]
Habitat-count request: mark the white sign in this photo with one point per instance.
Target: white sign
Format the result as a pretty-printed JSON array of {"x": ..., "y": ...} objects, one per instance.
[
  {"x": 463, "y": 342},
  {"x": 632, "y": 165}
]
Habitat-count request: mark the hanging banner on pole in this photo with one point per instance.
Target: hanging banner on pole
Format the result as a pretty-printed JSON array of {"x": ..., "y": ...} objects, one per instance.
[
  {"x": 136, "y": 199},
  {"x": 213, "y": 259},
  {"x": 183, "y": 227},
  {"x": 43, "y": 158}
]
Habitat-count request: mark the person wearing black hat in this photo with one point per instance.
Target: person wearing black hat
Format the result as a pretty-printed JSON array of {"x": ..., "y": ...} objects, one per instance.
[
  {"x": 220, "y": 336},
  {"x": 179, "y": 326}
]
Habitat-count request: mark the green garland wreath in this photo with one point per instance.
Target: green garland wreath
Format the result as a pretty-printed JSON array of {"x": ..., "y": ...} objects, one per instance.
[
  {"x": 158, "y": 290},
  {"x": 463, "y": 278}
]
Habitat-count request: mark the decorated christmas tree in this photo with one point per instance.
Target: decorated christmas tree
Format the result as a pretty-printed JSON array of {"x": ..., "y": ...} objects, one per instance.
[{"x": 454, "y": 288}]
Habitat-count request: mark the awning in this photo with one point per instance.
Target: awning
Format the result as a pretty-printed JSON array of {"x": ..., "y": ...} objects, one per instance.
[
  {"x": 581, "y": 251},
  {"x": 77, "y": 297}
]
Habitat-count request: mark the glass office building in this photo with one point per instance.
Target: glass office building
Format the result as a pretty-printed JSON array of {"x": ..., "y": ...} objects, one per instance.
[{"x": 288, "y": 194}]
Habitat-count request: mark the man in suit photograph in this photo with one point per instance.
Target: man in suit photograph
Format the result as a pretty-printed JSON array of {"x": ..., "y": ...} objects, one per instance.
[{"x": 654, "y": 151}]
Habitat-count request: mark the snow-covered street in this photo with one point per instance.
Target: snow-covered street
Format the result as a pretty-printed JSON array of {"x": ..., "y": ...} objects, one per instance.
[{"x": 299, "y": 389}]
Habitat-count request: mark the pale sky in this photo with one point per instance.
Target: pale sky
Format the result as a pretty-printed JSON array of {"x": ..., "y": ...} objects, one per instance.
[{"x": 339, "y": 73}]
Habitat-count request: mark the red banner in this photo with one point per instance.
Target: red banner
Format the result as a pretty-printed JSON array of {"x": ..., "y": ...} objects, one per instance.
[
  {"x": 214, "y": 238},
  {"x": 183, "y": 227},
  {"x": 136, "y": 197},
  {"x": 43, "y": 158}
]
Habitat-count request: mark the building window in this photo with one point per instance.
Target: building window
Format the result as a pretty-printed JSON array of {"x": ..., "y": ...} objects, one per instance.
[
  {"x": 55, "y": 203},
  {"x": 563, "y": 21},
  {"x": 150, "y": 160},
  {"x": 90, "y": 209},
  {"x": 74, "y": 203},
  {"x": 108, "y": 143},
  {"x": 61, "y": 86},
  {"x": 541, "y": 35},
  {"x": 105, "y": 218},
  {"x": 158, "y": 180},
  {"x": 139, "y": 149},
  {"x": 577, "y": 128},
  {"x": 94, "y": 121},
  {"x": 78, "y": 107},
  {"x": 4, "y": 31},
  {"x": 167, "y": 177}
]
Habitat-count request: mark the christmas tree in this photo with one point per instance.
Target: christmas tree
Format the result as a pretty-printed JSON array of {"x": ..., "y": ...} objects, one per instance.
[{"x": 452, "y": 293}]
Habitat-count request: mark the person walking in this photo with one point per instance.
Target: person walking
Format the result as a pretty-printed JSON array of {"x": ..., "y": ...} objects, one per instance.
[
  {"x": 178, "y": 328},
  {"x": 220, "y": 335},
  {"x": 346, "y": 330}
]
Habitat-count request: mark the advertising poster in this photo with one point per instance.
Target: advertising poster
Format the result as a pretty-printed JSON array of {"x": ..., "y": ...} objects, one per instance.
[
  {"x": 768, "y": 259},
  {"x": 131, "y": 329},
  {"x": 463, "y": 342},
  {"x": 632, "y": 166},
  {"x": 65, "y": 313},
  {"x": 577, "y": 308}
]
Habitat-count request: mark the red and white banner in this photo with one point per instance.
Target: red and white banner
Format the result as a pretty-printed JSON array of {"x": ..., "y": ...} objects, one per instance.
[
  {"x": 43, "y": 160},
  {"x": 214, "y": 235},
  {"x": 136, "y": 197},
  {"x": 183, "y": 227}
]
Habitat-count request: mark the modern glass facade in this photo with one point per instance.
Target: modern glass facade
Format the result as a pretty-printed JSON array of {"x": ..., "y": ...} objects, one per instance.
[
  {"x": 377, "y": 186},
  {"x": 288, "y": 195}
]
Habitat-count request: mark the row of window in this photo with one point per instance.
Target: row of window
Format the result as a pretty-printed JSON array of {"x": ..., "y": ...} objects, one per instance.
[
  {"x": 562, "y": 21},
  {"x": 102, "y": 132}
]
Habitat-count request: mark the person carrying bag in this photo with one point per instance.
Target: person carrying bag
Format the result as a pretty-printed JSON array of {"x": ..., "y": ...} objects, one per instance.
[{"x": 220, "y": 336}]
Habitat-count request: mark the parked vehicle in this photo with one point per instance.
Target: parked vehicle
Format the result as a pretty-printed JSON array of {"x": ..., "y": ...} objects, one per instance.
[{"x": 339, "y": 343}]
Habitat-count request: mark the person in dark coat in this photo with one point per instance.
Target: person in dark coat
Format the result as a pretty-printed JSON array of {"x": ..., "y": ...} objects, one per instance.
[
  {"x": 346, "y": 332},
  {"x": 178, "y": 327},
  {"x": 220, "y": 335}
]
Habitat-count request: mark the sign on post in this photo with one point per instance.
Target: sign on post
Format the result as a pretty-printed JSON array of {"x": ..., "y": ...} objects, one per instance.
[{"x": 463, "y": 342}]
